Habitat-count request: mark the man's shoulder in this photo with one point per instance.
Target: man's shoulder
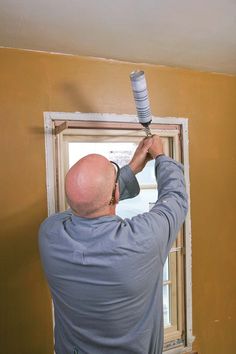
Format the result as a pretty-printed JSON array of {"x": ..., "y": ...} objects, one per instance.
[{"x": 53, "y": 219}]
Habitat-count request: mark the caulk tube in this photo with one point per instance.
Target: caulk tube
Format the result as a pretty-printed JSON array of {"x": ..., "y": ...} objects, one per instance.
[{"x": 140, "y": 93}]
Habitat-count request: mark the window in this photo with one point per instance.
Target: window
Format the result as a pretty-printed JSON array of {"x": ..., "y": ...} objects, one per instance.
[{"x": 71, "y": 139}]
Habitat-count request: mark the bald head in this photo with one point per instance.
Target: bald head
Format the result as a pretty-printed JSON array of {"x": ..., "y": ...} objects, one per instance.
[{"x": 89, "y": 184}]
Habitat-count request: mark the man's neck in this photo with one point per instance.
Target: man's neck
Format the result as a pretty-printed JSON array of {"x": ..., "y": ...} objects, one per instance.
[{"x": 109, "y": 211}]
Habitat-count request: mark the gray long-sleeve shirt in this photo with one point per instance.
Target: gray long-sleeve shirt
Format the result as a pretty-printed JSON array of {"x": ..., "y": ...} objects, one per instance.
[{"x": 105, "y": 274}]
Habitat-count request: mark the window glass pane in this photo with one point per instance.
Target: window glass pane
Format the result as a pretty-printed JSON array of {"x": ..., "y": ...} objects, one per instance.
[
  {"x": 166, "y": 305},
  {"x": 147, "y": 176},
  {"x": 121, "y": 153},
  {"x": 140, "y": 204}
]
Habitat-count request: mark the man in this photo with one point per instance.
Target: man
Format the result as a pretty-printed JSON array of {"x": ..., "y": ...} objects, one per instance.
[{"x": 105, "y": 273}]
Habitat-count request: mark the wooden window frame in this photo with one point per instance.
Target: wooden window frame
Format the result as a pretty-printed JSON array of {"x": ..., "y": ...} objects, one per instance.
[{"x": 57, "y": 123}]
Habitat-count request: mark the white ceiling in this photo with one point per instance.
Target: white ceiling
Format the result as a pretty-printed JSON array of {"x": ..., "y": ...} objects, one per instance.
[{"x": 198, "y": 34}]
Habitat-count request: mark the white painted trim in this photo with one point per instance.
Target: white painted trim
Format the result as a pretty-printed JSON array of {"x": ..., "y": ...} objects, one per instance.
[
  {"x": 49, "y": 150},
  {"x": 188, "y": 239},
  {"x": 109, "y": 117},
  {"x": 49, "y": 117}
]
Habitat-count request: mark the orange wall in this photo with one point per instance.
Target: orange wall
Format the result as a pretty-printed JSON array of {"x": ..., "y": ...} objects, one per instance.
[{"x": 32, "y": 83}]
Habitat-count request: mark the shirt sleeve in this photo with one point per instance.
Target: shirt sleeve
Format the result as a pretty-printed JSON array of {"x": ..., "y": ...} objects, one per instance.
[
  {"x": 164, "y": 220},
  {"x": 128, "y": 184}
]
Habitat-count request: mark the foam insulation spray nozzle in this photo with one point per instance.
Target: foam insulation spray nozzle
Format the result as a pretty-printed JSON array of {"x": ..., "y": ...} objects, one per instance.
[{"x": 140, "y": 93}]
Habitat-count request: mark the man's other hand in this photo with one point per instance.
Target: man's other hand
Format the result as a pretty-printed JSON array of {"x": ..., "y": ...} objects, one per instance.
[
  {"x": 141, "y": 155},
  {"x": 156, "y": 147}
]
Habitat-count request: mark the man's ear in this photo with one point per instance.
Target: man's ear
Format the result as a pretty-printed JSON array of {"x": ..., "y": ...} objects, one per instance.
[{"x": 117, "y": 194}]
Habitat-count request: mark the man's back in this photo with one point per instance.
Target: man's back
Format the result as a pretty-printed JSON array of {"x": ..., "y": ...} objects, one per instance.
[{"x": 106, "y": 282}]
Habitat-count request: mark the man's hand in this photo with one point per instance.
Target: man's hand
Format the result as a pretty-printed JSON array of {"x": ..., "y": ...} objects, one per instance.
[
  {"x": 156, "y": 147},
  {"x": 141, "y": 155}
]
